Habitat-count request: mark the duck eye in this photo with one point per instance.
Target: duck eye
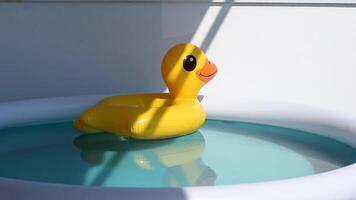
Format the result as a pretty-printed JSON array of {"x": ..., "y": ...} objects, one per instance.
[{"x": 189, "y": 63}]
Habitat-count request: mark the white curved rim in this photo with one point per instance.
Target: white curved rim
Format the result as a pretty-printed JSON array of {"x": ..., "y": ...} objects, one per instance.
[{"x": 336, "y": 184}]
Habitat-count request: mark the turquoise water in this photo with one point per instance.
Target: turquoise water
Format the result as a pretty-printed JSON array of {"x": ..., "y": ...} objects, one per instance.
[{"x": 220, "y": 153}]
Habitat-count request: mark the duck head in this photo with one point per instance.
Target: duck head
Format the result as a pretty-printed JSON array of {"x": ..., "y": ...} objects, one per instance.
[{"x": 185, "y": 69}]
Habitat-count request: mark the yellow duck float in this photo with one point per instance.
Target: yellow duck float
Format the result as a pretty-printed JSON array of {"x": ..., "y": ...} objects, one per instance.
[{"x": 185, "y": 69}]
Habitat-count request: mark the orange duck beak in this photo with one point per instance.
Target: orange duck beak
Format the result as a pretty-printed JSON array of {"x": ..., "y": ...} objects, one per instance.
[{"x": 208, "y": 72}]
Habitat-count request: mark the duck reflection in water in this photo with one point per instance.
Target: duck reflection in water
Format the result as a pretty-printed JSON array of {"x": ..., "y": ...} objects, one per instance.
[{"x": 174, "y": 162}]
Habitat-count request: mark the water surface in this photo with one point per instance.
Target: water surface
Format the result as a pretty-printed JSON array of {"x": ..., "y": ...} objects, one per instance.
[{"x": 220, "y": 153}]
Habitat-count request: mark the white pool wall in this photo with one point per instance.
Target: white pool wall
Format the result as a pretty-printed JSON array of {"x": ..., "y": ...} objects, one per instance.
[{"x": 300, "y": 55}]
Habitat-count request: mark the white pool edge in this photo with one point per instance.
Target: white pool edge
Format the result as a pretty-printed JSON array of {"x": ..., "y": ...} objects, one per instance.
[{"x": 336, "y": 184}]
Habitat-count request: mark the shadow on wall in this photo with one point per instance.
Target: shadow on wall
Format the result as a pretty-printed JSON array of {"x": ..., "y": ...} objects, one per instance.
[
  {"x": 65, "y": 49},
  {"x": 92, "y": 48}
]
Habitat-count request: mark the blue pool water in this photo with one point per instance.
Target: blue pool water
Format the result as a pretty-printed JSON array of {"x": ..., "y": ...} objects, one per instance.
[{"x": 220, "y": 153}]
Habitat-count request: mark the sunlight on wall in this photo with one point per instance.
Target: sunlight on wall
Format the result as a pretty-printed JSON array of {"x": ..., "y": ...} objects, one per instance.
[{"x": 206, "y": 25}]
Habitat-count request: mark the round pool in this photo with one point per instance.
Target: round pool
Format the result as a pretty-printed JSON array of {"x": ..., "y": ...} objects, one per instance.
[{"x": 43, "y": 157}]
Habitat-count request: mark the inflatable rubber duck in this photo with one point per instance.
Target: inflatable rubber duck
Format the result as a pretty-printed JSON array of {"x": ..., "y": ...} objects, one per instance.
[{"x": 185, "y": 69}]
